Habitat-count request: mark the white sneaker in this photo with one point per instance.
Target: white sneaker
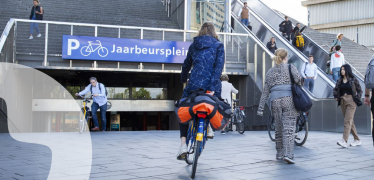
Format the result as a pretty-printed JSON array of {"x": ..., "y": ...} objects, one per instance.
[
  {"x": 31, "y": 37},
  {"x": 342, "y": 143},
  {"x": 182, "y": 152},
  {"x": 39, "y": 35},
  {"x": 356, "y": 143},
  {"x": 210, "y": 132},
  {"x": 289, "y": 160}
]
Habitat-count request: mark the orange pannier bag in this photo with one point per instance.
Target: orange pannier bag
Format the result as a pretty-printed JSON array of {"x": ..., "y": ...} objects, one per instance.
[{"x": 218, "y": 111}]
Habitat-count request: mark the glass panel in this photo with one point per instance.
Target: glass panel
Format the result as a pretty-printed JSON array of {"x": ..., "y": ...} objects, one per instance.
[
  {"x": 202, "y": 11},
  {"x": 118, "y": 92},
  {"x": 149, "y": 93}
]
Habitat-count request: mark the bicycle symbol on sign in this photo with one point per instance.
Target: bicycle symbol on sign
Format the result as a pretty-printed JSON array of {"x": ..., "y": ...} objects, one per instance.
[{"x": 87, "y": 50}]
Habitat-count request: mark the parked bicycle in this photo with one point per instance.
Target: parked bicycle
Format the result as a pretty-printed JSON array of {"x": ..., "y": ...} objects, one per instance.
[
  {"x": 196, "y": 139},
  {"x": 237, "y": 118},
  {"x": 87, "y": 50},
  {"x": 301, "y": 130}
]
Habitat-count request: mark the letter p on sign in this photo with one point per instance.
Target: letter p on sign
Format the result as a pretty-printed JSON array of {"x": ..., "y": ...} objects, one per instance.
[{"x": 71, "y": 47}]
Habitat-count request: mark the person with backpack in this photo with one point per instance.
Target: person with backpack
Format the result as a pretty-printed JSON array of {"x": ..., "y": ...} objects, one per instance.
[
  {"x": 272, "y": 45},
  {"x": 369, "y": 85},
  {"x": 227, "y": 89},
  {"x": 278, "y": 93},
  {"x": 348, "y": 93},
  {"x": 298, "y": 41},
  {"x": 36, "y": 14},
  {"x": 245, "y": 16},
  {"x": 337, "y": 60},
  {"x": 338, "y": 40},
  {"x": 285, "y": 27},
  {"x": 207, "y": 56},
  {"x": 100, "y": 100},
  {"x": 309, "y": 73},
  {"x": 297, "y": 28}
]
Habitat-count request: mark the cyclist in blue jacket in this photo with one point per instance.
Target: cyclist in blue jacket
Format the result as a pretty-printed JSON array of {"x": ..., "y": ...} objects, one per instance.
[{"x": 207, "y": 56}]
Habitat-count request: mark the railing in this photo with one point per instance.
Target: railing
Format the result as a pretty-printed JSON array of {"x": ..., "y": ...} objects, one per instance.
[{"x": 9, "y": 37}]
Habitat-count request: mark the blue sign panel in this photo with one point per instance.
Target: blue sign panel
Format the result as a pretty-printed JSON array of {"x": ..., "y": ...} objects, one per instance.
[{"x": 118, "y": 49}]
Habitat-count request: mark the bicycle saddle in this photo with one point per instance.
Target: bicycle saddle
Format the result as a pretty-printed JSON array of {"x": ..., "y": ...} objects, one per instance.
[{"x": 236, "y": 100}]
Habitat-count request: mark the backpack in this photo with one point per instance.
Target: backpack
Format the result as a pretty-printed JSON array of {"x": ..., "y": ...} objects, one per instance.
[
  {"x": 218, "y": 111},
  {"x": 299, "y": 41},
  {"x": 300, "y": 98},
  {"x": 369, "y": 76},
  {"x": 106, "y": 91}
]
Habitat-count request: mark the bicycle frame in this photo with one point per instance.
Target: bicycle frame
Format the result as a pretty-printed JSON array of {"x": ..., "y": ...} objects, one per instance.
[{"x": 199, "y": 133}]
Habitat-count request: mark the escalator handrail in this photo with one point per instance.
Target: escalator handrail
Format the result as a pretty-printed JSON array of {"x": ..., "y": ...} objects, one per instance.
[
  {"x": 358, "y": 74},
  {"x": 259, "y": 42},
  {"x": 321, "y": 73}
]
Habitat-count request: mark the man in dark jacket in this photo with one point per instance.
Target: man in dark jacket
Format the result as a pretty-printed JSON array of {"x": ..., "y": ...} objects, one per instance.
[
  {"x": 286, "y": 26},
  {"x": 297, "y": 28}
]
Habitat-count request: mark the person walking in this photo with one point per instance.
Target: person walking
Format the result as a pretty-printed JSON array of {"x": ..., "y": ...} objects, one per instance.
[
  {"x": 337, "y": 60},
  {"x": 347, "y": 91},
  {"x": 36, "y": 14},
  {"x": 286, "y": 27},
  {"x": 207, "y": 55},
  {"x": 100, "y": 100},
  {"x": 227, "y": 89},
  {"x": 297, "y": 28},
  {"x": 280, "y": 101},
  {"x": 367, "y": 100},
  {"x": 272, "y": 45},
  {"x": 309, "y": 73},
  {"x": 338, "y": 40},
  {"x": 298, "y": 41},
  {"x": 244, "y": 15}
]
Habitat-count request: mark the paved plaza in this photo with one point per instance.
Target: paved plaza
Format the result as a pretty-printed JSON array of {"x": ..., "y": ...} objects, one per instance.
[{"x": 151, "y": 155}]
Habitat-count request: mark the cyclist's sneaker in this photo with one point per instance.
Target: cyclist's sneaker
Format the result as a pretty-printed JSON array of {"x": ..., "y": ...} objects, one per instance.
[
  {"x": 223, "y": 132},
  {"x": 279, "y": 157},
  {"x": 342, "y": 143},
  {"x": 356, "y": 143},
  {"x": 39, "y": 35},
  {"x": 182, "y": 152},
  {"x": 31, "y": 37},
  {"x": 289, "y": 160},
  {"x": 95, "y": 129},
  {"x": 210, "y": 134}
]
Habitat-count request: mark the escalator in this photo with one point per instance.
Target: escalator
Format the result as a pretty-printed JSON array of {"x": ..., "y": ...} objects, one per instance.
[
  {"x": 265, "y": 19},
  {"x": 323, "y": 84}
]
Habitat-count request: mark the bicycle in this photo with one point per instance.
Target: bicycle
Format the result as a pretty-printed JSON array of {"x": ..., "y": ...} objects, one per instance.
[
  {"x": 196, "y": 139},
  {"x": 301, "y": 130},
  {"x": 237, "y": 118},
  {"x": 102, "y": 51},
  {"x": 84, "y": 116}
]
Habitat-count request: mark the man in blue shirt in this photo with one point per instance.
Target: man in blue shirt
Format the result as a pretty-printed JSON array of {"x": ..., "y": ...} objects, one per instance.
[{"x": 99, "y": 101}]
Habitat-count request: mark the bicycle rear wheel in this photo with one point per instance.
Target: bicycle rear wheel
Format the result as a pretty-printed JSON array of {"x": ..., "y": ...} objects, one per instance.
[
  {"x": 301, "y": 130},
  {"x": 271, "y": 128},
  {"x": 195, "y": 159},
  {"x": 240, "y": 124}
]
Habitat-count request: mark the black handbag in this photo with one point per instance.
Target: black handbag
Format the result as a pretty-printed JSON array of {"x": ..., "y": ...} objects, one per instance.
[
  {"x": 301, "y": 100},
  {"x": 357, "y": 101}
]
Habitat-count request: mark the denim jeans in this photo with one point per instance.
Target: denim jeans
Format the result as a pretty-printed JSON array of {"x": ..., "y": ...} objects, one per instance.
[
  {"x": 32, "y": 26},
  {"x": 103, "y": 108},
  {"x": 245, "y": 21},
  {"x": 309, "y": 84},
  {"x": 336, "y": 73}
]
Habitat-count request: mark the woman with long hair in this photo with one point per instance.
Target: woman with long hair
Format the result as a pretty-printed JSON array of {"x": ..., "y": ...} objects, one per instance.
[
  {"x": 207, "y": 56},
  {"x": 338, "y": 40},
  {"x": 348, "y": 93},
  {"x": 272, "y": 45},
  {"x": 277, "y": 92}
]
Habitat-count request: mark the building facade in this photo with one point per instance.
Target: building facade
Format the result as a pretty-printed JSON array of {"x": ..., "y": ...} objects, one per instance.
[{"x": 353, "y": 18}]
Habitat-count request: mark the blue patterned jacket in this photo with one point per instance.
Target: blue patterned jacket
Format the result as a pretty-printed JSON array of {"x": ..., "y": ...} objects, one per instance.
[{"x": 207, "y": 56}]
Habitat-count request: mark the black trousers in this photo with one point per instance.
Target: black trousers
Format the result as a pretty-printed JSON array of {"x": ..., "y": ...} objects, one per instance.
[
  {"x": 372, "y": 111},
  {"x": 183, "y": 128}
]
